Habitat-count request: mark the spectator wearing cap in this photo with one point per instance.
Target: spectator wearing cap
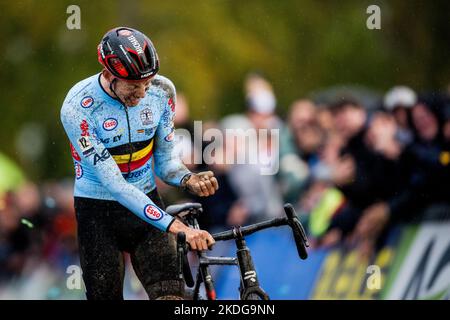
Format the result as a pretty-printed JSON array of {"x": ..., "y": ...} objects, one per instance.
[
  {"x": 399, "y": 101},
  {"x": 426, "y": 171},
  {"x": 259, "y": 194}
]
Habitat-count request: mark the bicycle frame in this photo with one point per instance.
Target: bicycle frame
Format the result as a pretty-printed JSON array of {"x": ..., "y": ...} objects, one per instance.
[
  {"x": 249, "y": 280},
  {"x": 249, "y": 284}
]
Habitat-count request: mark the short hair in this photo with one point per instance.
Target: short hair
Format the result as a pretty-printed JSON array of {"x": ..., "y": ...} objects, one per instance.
[{"x": 343, "y": 102}]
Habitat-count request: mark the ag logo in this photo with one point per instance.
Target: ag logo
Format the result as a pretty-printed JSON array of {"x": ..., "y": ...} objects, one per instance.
[
  {"x": 152, "y": 212},
  {"x": 110, "y": 124},
  {"x": 105, "y": 155},
  {"x": 146, "y": 117},
  {"x": 87, "y": 102},
  {"x": 78, "y": 170}
]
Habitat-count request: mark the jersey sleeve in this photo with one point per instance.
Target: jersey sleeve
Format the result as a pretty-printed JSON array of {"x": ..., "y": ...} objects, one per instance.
[
  {"x": 168, "y": 165},
  {"x": 81, "y": 131}
]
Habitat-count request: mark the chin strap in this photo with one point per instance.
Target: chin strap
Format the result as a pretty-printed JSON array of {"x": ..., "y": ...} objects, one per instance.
[{"x": 111, "y": 87}]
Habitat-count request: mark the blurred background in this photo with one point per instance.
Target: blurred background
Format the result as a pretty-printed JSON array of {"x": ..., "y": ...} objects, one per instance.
[{"x": 364, "y": 148}]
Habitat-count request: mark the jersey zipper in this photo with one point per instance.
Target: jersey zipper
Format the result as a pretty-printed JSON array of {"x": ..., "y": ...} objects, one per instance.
[{"x": 129, "y": 140}]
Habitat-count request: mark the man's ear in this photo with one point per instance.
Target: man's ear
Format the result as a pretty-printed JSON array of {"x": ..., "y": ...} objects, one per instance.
[{"x": 108, "y": 75}]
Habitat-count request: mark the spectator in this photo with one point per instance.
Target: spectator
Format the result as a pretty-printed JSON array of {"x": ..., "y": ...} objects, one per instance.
[
  {"x": 362, "y": 172},
  {"x": 399, "y": 101},
  {"x": 425, "y": 170},
  {"x": 300, "y": 141},
  {"x": 258, "y": 193}
]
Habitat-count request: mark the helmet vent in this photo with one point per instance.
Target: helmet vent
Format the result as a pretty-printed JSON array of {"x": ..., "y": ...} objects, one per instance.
[{"x": 118, "y": 67}]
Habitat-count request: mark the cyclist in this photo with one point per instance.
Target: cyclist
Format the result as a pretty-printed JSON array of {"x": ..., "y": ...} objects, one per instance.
[{"x": 118, "y": 121}]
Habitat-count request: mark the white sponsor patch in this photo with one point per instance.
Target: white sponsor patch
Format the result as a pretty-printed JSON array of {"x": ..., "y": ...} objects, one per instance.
[
  {"x": 78, "y": 170},
  {"x": 87, "y": 102},
  {"x": 152, "y": 212},
  {"x": 110, "y": 124}
]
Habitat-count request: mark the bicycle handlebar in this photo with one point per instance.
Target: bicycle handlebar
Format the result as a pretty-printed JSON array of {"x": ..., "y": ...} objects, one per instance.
[
  {"x": 245, "y": 231},
  {"x": 301, "y": 241}
]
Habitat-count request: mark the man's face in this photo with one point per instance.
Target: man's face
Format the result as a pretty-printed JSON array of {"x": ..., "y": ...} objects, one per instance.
[
  {"x": 401, "y": 116},
  {"x": 131, "y": 92},
  {"x": 425, "y": 122},
  {"x": 348, "y": 120}
]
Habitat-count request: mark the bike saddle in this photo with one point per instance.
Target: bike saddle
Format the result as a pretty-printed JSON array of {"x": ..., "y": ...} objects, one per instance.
[{"x": 177, "y": 209}]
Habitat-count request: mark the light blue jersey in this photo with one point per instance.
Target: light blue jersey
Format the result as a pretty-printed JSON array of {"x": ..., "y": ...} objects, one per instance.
[{"x": 113, "y": 146}]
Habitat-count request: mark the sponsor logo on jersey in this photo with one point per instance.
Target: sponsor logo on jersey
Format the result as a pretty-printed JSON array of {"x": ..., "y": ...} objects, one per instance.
[
  {"x": 114, "y": 139},
  {"x": 74, "y": 153},
  {"x": 102, "y": 157},
  {"x": 153, "y": 213},
  {"x": 87, "y": 102},
  {"x": 170, "y": 136},
  {"x": 169, "y": 124},
  {"x": 84, "y": 126},
  {"x": 110, "y": 124},
  {"x": 165, "y": 117},
  {"x": 148, "y": 132},
  {"x": 146, "y": 117},
  {"x": 171, "y": 104},
  {"x": 78, "y": 170},
  {"x": 138, "y": 174}
]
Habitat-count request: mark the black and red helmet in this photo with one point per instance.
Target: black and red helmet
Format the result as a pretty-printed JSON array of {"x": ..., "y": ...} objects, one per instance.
[{"x": 128, "y": 54}]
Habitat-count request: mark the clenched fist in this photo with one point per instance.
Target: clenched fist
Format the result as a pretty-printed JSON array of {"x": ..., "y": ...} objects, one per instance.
[{"x": 202, "y": 184}]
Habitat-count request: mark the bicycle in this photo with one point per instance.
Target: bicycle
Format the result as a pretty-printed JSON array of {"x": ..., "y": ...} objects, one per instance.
[{"x": 249, "y": 285}]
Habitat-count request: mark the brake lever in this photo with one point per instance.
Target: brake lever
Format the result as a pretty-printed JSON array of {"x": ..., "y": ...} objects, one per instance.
[
  {"x": 301, "y": 241},
  {"x": 302, "y": 232},
  {"x": 184, "y": 269}
]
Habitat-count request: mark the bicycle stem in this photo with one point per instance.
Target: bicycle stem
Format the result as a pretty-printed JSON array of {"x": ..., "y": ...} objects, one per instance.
[{"x": 249, "y": 279}]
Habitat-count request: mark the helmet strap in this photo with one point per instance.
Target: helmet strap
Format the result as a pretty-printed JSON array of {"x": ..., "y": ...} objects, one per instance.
[{"x": 111, "y": 87}]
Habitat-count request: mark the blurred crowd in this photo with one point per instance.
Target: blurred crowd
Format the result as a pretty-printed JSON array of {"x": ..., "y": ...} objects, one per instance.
[
  {"x": 351, "y": 168},
  {"x": 37, "y": 239},
  {"x": 351, "y": 171}
]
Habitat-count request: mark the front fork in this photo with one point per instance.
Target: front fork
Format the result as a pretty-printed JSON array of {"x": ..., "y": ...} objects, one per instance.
[{"x": 249, "y": 279}]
